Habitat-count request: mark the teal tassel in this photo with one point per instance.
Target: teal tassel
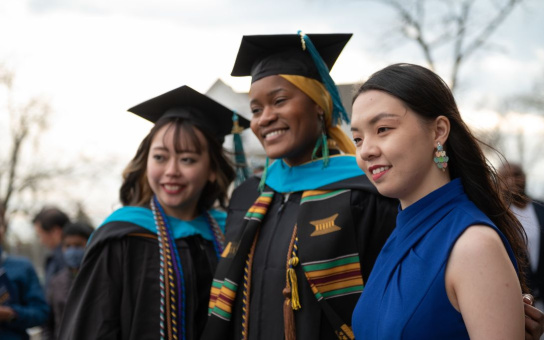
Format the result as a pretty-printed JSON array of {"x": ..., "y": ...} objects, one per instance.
[
  {"x": 242, "y": 171},
  {"x": 263, "y": 177},
  {"x": 323, "y": 144},
  {"x": 339, "y": 112},
  {"x": 316, "y": 147},
  {"x": 325, "y": 151}
]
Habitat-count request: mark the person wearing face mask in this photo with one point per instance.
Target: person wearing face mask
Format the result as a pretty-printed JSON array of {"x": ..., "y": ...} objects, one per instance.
[
  {"x": 148, "y": 267},
  {"x": 22, "y": 301},
  {"x": 74, "y": 240}
]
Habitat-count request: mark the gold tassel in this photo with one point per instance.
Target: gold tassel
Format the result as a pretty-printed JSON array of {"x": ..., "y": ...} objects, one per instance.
[
  {"x": 288, "y": 316},
  {"x": 295, "y": 301}
]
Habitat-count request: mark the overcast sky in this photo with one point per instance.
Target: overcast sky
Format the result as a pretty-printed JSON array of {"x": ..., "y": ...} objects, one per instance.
[{"x": 93, "y": 59}]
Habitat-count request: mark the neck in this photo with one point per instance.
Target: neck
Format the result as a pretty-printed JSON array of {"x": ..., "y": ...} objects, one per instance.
[{"x": 433, "y": 182}]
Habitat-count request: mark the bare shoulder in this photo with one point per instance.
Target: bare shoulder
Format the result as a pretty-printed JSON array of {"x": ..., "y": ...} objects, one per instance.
[
  {"x": 479, "y": 241},
  {"x": 479, "y": 256},
  {"x": 482, "y": 284}
]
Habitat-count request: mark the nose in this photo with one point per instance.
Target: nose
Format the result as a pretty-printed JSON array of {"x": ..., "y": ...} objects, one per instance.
[
  {"x": 172, "y": 168},
  {"x": 368, "y": 150},
  {"x": 267, "y": 116}
]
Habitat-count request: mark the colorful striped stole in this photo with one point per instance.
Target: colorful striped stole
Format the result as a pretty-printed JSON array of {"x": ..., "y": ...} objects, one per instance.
[
  {"x": 329, "y": 256},
  {"x": 235, "y": 269}
]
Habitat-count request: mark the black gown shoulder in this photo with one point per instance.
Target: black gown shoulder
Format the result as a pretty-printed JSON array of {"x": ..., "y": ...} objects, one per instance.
[{"x": 116, "y": 294}]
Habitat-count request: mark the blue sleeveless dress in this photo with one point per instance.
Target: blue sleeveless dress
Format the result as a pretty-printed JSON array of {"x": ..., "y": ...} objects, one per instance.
[{"x": 405, "y": 296}]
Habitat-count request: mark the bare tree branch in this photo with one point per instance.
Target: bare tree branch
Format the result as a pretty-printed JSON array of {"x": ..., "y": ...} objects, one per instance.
[{"x": 457, "y": 27}]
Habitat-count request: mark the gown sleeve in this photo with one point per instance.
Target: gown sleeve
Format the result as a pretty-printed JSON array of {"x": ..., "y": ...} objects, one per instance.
[{"x": 93, "y": 307}]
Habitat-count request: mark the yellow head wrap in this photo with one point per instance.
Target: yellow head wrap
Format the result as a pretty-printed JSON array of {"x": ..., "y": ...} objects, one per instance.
[{"x": 319, "y": 94}]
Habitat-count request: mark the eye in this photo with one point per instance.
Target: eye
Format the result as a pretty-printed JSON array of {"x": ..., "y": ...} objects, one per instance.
[
  {"x": 256, "y": 110},
  {"x": 357, "y": 141},
  {"x": 383, "y": 129},
  {"x": 158, "y": 157},
  {"x": 279, "y": 101},
  {"x": 187, "y": 160}
]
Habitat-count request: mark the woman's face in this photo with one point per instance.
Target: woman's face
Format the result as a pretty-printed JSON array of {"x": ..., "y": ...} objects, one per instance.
[
  {"x": 284, "y": 119},
  {"x": 178, "y": 178},
  {"x": 394, "y": 147}
]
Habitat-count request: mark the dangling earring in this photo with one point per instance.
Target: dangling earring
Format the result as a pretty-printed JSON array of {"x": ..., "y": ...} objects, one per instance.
[
  {"x": 440, "y": 158},
  {"x": 323, "y": 143},
  {"x": 262, "y": 183}
]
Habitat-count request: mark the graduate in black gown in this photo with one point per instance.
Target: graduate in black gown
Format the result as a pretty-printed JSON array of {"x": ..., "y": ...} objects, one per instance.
[
  {"x": 148, "y": 268},
  {"x": 302, "y": 239}
]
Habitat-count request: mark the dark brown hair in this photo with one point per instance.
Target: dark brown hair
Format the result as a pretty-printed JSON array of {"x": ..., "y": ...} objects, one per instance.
[
  {"x": 426, "y": 94},
  {"x": 135, "y": 189},
  {"x": 51, "y": 217}
]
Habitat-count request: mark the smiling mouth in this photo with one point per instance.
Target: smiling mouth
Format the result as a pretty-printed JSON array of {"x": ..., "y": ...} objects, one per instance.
[
  {"x": 172, "y": 188},
  {"x": 380, "y": 170},
  {"x": 275, "y": 133}
]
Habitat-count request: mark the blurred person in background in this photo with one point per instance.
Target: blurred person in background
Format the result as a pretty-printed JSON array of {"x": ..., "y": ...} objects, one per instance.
[
  {"x": 531, "y": 215},
  {"x": 74, "y": 240},
  {"x": 22, "y": 302},
  {"x": 48, "y": 224}
]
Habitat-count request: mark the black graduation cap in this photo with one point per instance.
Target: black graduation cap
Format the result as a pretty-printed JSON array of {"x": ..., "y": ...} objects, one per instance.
[
  {"x": 184, "y": 102},
  {"x": 260, "y": 56}
]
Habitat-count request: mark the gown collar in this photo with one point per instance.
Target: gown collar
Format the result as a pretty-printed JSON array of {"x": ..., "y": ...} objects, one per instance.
[
  {"x": 143, "y": 217},
  {"x": 309, "y": 176}
]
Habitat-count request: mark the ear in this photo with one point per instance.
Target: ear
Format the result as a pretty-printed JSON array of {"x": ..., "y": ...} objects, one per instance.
[
  {"x": 441, "y": 129},
  {"x": 319, "y": 110},
  {"x": 213, "y": 176}
]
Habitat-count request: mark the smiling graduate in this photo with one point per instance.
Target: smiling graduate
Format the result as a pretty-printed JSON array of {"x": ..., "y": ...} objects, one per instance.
[
  {"x": 301, "y": 239},
  {"x": 148, "y": 268}
]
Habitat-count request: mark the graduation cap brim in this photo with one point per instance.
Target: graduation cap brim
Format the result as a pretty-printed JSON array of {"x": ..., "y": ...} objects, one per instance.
[
  {"x": 260, "y": 56},
  {"x": 186, "y": 103}
]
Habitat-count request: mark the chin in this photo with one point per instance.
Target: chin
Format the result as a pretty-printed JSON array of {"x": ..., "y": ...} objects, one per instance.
[
  {"x": 274, "y": 153},
  {"x": 386, "y": 190}
]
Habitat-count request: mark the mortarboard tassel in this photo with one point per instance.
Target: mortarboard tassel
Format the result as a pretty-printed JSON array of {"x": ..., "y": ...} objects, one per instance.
[{"x": 339, "y": 112}]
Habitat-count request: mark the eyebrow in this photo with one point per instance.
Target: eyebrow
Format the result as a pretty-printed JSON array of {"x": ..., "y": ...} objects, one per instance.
[
  {"x": 269, "y": 94},
  {"x": 163, "y": 148},
  {"x": 378, "y": 117}
]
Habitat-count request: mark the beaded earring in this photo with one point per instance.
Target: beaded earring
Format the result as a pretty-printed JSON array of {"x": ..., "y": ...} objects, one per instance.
[{"x": 440, "y": 158}]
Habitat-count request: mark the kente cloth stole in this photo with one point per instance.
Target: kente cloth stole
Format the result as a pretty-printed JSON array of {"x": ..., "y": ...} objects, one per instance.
[
  {"x": 230, "y": 271},
  {"x": 328, "y": 255},
  {"x": 327, "y": 248}
]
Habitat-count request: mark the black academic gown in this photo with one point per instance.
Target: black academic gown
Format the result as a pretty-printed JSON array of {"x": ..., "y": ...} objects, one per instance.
[
  {"x": 373, "y": 217},
  {"x": 116, "y": 293}
]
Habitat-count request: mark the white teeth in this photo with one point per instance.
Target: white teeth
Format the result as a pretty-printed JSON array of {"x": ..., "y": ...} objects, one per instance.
[
  {"x": 172, "y": 187},
  {"x": 378, "y": 170},
  {"x": 274, "y": 133}
]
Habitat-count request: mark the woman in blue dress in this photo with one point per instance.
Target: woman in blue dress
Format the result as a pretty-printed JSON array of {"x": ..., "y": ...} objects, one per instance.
[{"x": 453, "y": 267}]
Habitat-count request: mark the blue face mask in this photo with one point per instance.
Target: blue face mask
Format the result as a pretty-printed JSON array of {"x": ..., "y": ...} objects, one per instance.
[{"x": 73, "y": 256}]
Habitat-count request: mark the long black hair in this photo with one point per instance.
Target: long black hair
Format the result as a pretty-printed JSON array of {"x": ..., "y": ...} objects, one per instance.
[{"x": 426, "y": 94}]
